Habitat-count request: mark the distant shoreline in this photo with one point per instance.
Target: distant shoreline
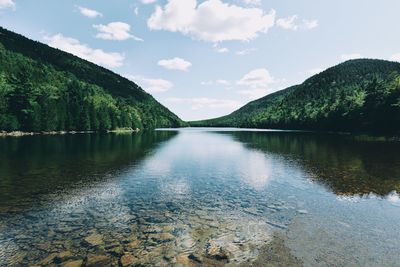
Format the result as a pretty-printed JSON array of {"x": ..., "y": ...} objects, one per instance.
[
  {"x": 21, "y": 133},
  {"x": 361, "y": 136}
]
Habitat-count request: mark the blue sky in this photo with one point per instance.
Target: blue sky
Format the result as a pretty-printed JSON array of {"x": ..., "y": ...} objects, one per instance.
[{"x": 206, "y": 58}]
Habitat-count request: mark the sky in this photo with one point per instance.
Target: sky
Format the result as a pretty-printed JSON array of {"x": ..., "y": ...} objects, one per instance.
[{"x": 206, "y": 58}]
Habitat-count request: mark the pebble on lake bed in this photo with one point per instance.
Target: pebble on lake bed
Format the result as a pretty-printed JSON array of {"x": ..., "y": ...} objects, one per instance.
[
  {"x": 76, "y": 263},
  {"x": 128, "y": 259},
  {"x": 134, "y": 244},
  {"x": 94, "y": 239},
  {"x": 63, "y": 256},
  {"x": 216, "y": 251},
  {"x": 162, "y": 237},
  {"x": 98, "y": 260}
]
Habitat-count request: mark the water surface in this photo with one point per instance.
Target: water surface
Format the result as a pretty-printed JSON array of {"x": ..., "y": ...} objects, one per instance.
[{"x": 198, "y": 197}]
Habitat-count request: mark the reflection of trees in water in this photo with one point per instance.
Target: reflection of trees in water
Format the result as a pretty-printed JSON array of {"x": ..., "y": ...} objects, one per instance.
[
  {"x": 44, "y": 164},
  {"x": 345, "y": 165}
]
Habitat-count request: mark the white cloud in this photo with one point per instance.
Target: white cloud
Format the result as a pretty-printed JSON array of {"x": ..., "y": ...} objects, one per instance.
[
  {"x": 175, "y": 63},
  {"x": 216, "y": 82},
  {"x": 257, "y": 83},
  {"x": 257, "y": 78},
  {"x": 287, "y": 23},
  {"x": 222, "y": 50},
  {"x": 310, "y": 24},
  {"x": 7, "y": 4},
  {"x": 395, "y": 57},
  {"x": 151, "y": 85},
  {"x": 204, "y": 102},
  {"x": 252, "y": 2},
  {"x": 97, "y": 56},
  {"x": 207, "y": 83},
  {"x": 222, "y": 82},
  {"x": 292, "y": 23},
  {"x": 211, "y": 20},
  {"x": 136, "y": 11},
  {"x": 345, "y": 57},
  {"x": 253, "y": 85},
  {"x": 115, "y": 31},
  {"x": 90, "y": 13},
  {"x": 146, "y": 2},
  {"x": 245, "y": 51}
]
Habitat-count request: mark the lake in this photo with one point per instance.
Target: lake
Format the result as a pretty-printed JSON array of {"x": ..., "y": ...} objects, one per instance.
[{"x": 199, "y": 197}]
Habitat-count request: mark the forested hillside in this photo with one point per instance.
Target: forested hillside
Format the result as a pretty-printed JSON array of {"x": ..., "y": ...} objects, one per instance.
[
  {"x": 45, "y": 89},
  {"x": 358, "y": 95}
]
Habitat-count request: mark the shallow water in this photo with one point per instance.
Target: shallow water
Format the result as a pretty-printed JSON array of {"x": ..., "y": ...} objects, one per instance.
[{"x": 198, "y": 196}]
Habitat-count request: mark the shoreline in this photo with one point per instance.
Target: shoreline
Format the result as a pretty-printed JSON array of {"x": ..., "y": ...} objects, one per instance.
[
  {"x": 21, "y": 133},
  {"x": 356, "y": 136}
]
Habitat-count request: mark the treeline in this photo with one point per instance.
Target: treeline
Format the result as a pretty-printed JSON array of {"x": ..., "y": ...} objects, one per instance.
[
  {"x": 358, "y": 95},
  {"x": 71, "y": 94},
  {"x": 74, "y": 106}
]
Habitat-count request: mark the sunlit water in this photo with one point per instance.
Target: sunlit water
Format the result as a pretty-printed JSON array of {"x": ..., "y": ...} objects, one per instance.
[{"x": 198, "y": 196}]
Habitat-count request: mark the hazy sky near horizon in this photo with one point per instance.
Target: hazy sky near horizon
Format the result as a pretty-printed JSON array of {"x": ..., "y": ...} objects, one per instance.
[{"x": 206, "y": 58}]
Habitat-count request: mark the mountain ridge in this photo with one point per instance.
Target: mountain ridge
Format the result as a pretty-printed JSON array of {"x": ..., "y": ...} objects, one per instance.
[{"x": 356, "y": 95}]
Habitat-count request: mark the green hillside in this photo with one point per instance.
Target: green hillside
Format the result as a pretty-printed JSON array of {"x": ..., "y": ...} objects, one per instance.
[
  {"x": 357, "y": 95},
  {"x": 45, "y": 89}
]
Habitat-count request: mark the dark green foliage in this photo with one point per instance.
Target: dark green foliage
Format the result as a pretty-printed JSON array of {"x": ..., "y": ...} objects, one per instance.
[
  {"x": 45, "y": 89},
  {"x": 358, "y": 95}
]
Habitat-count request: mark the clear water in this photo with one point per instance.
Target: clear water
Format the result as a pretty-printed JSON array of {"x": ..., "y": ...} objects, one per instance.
[{"x": 198, "y": 197}]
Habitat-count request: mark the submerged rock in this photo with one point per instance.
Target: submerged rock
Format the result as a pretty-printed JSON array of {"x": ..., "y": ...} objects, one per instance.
[
  {"x": 153, "y": 229},
  {"x": 116, "y": 251},
  {"x": 302, "y": 211},
  {"x": 128, "y": 259},
  {"x": 251, "y": 211},
  {"x": 134, "y": 245},
  {"x": 77, "y": 263},
  {"x": 49, "y": 259},
  {"x": 45, "y": 247},
  {"x": 183, "y": 259},
  {"x": 62, "y": 256},
  {"x": 277, "y": 225},
  {"x": 94, "y": 240},
  {"x": 162, "y": 237},
  {"x": 110, "y": 246},
  {"x": 168, "y": 228},
  {"x": 97, "y": 260},
  {"x": 188, "y": 242},
  {"x": 215, "y": 251},
  {"x": 194, "y": 257}
]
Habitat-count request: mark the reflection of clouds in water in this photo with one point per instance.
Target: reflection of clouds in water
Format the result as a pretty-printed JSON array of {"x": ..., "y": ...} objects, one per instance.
[
  {"x": 199, "y": 147},
  {"x": 227, "y": 158},
  {"x": 159, "y": 166},
  {"x": 394, "y": 198},
  {"x": 103, "y": 192},
  {"x": 257, "y": 169},
  {"x": 175, "y": 189},
  {"x": 210, "y": 145},
  {"x": 355, "y": 198}
]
